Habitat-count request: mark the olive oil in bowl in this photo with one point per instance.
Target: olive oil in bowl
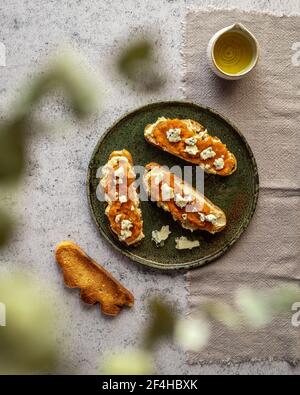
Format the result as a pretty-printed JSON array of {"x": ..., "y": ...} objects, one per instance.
[{"x": 233, "y": 52}]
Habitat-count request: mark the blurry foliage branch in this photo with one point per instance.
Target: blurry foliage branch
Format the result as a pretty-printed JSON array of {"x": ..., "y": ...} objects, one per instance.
[
  {"x": 78, "y": 86},
  {"x": 161, "y": 325},
  {"x": 251, "y": 309},
  {"x": 28, "y": 345},
  {"x": 138, "y": 64}
]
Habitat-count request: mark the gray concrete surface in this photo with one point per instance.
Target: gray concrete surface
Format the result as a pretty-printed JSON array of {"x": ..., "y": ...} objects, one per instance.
[{"x": 52, "y": 203}]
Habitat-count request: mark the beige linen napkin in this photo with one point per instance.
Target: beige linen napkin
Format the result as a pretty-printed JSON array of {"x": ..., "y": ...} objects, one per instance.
[{"x": 266, "y": 108}]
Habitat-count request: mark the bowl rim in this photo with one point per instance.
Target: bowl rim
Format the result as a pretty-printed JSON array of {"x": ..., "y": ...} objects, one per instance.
[{"x": 253, "y": 63}]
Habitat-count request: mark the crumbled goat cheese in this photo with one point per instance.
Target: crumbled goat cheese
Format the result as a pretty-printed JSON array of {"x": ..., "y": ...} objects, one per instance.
[
  {"x": 207, "y": 153},
  {"x": 120, "y": 172},
  {"x": 219, "y": 163},
  {"x": 167, "y": 192},
  {"x": 160, "y": 236},
  {"x": 191, "y": 150},
  {"x": 191, "y": 141},
  {"x": 123, "y": 199},
  {"x": 173, "y": 135},
  {"x": 182, "y": 201},
  {"x": 211, "y": 218},
  {"x": 182, "y": 243},
  {"x": 126, "y": 225},
  {"x": 202, "y": 217}
]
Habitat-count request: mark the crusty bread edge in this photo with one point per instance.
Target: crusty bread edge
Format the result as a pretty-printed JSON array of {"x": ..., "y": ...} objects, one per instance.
[{"x": 70, "y": 245}]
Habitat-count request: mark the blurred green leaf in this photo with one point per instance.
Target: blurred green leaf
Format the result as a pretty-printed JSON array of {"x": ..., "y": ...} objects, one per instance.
[
  {"x": 139, "y": 51},
  {"x": 6, "y": 227},
  {"x": 192, "y": 334},
  {"x": 78, "y": 85},
  {"x": 12, "y": 137},
  {"x": 137, "y": 63},
  {"x": 283, "y": 297},
  {"x": 223, "y": 313},
  {"x": 259, "y": 307},
  {"x": 81, "y": 86},
  {"x": 28, "y": 341},
  {"x": 128, "y": 362},
  {"x": 162, "y": 323}
]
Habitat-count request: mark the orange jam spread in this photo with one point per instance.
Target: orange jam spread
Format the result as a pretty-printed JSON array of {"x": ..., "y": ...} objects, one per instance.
[
  {"x": 178, "y": 148},
  {"x": 200, "y": 206}
]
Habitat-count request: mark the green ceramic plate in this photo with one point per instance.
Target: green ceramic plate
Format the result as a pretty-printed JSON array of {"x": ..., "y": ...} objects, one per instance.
[{"x": 236, "y": 195}]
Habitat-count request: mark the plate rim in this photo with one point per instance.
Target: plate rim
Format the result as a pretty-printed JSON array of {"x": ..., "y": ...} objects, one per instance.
[{"x": 153, "y": 264}]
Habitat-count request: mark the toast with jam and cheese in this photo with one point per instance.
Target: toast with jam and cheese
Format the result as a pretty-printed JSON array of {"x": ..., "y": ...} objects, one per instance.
[
  {"x": 123, "y": 205},
  {"x": 189, "y": 140},
  {"x": 186, "y": 205}
]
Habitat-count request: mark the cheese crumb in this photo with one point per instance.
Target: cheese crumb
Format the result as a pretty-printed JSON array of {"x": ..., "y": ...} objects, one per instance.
[
  {"x": 202, "y": 217},
  {"x": 191, "y": 141},
  {"x": 219, "y": 163},
  {"x": 182, "y": 201},
  {"x": 126, "y": 225},
  {"x": 167, "y": 192},
  {"x": 191, "y": 150},
  {"x": 211, "y": 218},
  {"x": 160, "y": 236},
  {"x": 173, "y": 135},
  {"x": 182, "y": 243},
  {"x": 207, "y": 153},
  {"x": 123, "y": 199}
]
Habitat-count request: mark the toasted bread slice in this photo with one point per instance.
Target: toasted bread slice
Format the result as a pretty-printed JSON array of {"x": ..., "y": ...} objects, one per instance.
[
  {"x": 186, "y": 205},
  {"x": 123, "y": 205},
  {"x": 189, "y": 140},
  {"x": 96, "y": 284}
]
